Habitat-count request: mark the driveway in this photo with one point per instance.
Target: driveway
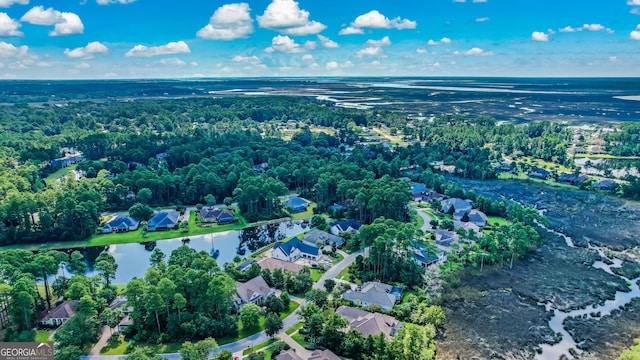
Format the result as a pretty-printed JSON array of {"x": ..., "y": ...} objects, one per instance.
[
  {"x": 427, "y": 220},
  {"x": 336, "y": 269}
]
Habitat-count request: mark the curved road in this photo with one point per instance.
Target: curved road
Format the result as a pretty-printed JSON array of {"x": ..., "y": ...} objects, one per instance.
[
  {"x": 427, "y": 220},
  {"x": 260, "y": 337}
]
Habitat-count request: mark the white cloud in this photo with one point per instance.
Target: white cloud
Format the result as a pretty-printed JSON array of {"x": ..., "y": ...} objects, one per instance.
[
  {"x": 482, "y": 19},
  {"x": 228, "y": 22},
  {"x": 331, "y": 65},
  {"x": 444, "y": 40},
  {"x": 613, "y": 58},
  {"x": 9, "y": 26},
  {"x": 65, "y": 23},
  {"x": 539, "y": 36},
  {"x": 107, "y": 2},
  {"x": 593, "y": 27},
  {"x": 422, "y": 51},
  {"x": 476, "y": 51},
  {"x": 8, "y": 3},
  {"x": 479, "y": 1},
  {"x": 370, "y": 51},
  {"x": 635, "y": 34},
  {"x": 285, "y": 16},
  {"x": 86, "y": 52},
  {"x": 635, "y": 11},
  {"x": 285, "y": 44},
  {"x": 385, "y": 41},
  {"x": 633, "y": 2},
  {"x": 589, "y": 27},
  {"x": 82, "y": 66},
  {"x": 350, "y": 30},
  {"x": 172, "y": 62},
  {"x": 307, "y": 57},
  {"x": 328, "y": 43},
  {"x": 375, "y": 20},
  {"x": 254, "y": 60},
  {"x": 9, "y": 50},
  {"x": 168, "y": 49}
]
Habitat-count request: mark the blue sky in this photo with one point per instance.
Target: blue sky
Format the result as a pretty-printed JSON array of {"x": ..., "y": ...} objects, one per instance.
[{"x": 96, "y": 39}]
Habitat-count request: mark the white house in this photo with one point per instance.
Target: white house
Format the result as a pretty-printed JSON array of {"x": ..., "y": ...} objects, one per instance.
[{"x": 295, "y": 249}]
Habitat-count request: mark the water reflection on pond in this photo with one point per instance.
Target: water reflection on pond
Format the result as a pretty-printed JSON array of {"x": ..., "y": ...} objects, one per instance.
[{"x": 133, "y": 259}]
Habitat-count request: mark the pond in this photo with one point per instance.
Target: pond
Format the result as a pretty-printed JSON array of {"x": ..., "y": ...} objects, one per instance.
[{"x": 133, "y": 259}]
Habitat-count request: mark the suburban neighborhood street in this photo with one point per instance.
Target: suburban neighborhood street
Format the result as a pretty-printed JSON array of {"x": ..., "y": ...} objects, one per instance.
[
  {"x": 288, "y": 322},
  {"x": 427, "y": 220}
]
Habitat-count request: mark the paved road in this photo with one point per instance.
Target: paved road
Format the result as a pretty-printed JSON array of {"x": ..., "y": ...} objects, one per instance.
[
  {"x": 427, "y": 220},
  {"x": 260, "y": 337},
  {"x": 335, "y": 269},
  {"x": 105, "y": 335}
]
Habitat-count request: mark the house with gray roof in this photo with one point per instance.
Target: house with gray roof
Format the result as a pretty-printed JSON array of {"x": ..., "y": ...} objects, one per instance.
[
  {"x": 351, "y": 226},
  {"x": 295, "y": 249},
  {"x": 60, "y": 314},
  {"x": 458, "y": 205},
  {"x": 368, "y": 323},
  {"x": 323, "y": 355},
  {"x": 219, "y": 216},
  {"x": 604, "y": 184},
  {"x": 121, "y": 224},
  {"x": 445, "y": 239},
  {"x": 253, "y": 291},
  {"x": 296, "y": 204},
  {"x": 478, "y": 218},
  {"x": 163, "y": 220},
  {"x": 315, "y": 236},
  {"x": 288, "y": 355},
  {"x": 425, "y": 256},
  {"x": 374, "y": 293}
]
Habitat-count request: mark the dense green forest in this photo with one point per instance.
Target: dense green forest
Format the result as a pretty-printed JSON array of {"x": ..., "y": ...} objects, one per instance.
[{"x": 180, "y": 151}]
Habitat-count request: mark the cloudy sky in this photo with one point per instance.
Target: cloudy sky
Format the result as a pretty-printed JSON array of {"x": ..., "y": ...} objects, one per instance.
[{"x": 96, "y": 39}]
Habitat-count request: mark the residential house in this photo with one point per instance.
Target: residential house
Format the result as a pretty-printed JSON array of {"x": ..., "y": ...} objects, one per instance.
[
  {"x": 596, "y": 150},
  {"x": 120, "y": 302},
  {"x": 260, "y": 168},
  {"x": 272, "y": 264},
  {"x": 572, "y": 179},
  {"x": 505, "y": 167},
  {"x": 375, "y": 293},
  {"x": 468, "y": 226},
  {"x": 445, "y": 239},
  {"x": 368, "y": 323},
  {"x": 295, "y": 249},
  {"x": 340, "y": 205},
  {"x": 323, "y": 355},
  {"x": 579, "y": 150},
  {"x": 296, "y": 204},
  {"x": 125, "y": 323},
  {"x": 245, "y": 265},
  {"x": 539, "y": 173},
  {"x": 338, "y": 227},
  {"x": 426, "y": 257},
  {"x": 457, "y": 204},
  {"x": 163, "y": 220},
  {"x": 418, "y": 190},
  {"x": 288, "y": 355},
  {"x": 121, "y": 224},
  {"x": 60, "y": 314},
  {"x": 478, "y": 218},
  {"x": 315, "y": 236},
  {"x": 71, "y": 156},
  {"x": 253, "y": 291},
  {"x": 220, "y": 216},
  {"x": 604, "y": 184}
]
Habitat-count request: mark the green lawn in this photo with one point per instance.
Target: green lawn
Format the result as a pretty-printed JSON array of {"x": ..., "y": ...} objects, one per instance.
[
  {"x": 344, "y": 274},
  {"x": 294, "y": 328},
  {"x": 337, "y": 258},
  {"x": 300, "y": 340},
  {"x": 42, "y": 336},
  {"x": 496, "y": 220},
  {"x": 136, "y": 236},
  {"x": 315, "y": 274},
  {"x": 523, "y": 176},
  {"x": 418, "y": 220},
  {"x": 59, "y": 173},
  {"x": 304, "y": 215},
  {"x": 118, "y": 348}
]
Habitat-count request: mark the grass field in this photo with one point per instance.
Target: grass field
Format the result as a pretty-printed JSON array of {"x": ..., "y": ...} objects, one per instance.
[
  {"x": 258, "y": 347},
  {"x": 42, "y": 336},
  {"x": 315, "y": 274},
  {"x": 304, "y": 215},
  {"x": 496, "y": 220},
  {"x": 59, "y": 173},
  {"x": 294, "y": 328},
  {"x": 337, "y": 258},
  {"x": 243, "y": 333},
  {"x": 418, "y": 220},
  {"x": 344, "y": 274},
  {"x": 523, "y": 176},
  {"x": 607, "y": 156}
]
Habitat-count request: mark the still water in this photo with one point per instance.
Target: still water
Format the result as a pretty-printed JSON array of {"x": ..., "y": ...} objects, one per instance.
[{"x": 133, "y": 259}]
